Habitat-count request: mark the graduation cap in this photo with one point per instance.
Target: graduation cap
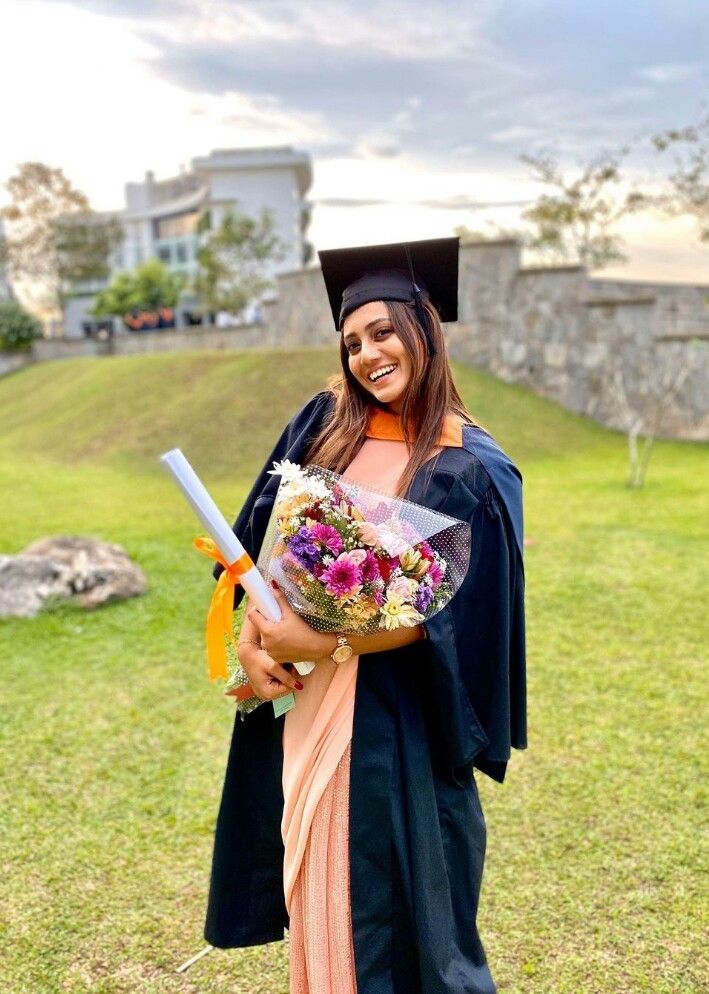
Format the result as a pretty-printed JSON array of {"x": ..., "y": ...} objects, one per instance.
[{"x": 398, "y": 271}]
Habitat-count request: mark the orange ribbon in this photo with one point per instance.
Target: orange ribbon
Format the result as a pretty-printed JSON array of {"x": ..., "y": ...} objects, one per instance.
[{"x": 221, "y": 608}]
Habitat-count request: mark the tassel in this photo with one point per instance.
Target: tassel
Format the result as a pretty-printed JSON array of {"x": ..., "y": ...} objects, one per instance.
[
  {"x": 423, "y": 319},
  {"x": 420, "y": 309}
]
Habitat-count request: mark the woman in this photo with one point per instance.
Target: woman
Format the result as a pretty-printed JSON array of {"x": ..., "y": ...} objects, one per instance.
[{"x": 354, "y": 819}]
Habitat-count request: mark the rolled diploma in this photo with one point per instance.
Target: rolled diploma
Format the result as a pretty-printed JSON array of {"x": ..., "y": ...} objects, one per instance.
[{"x": 228, "y": 544}]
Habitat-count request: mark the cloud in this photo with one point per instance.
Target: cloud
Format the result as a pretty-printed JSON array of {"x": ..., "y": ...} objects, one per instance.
[
  {"x": 387, "y": 140},
  {"x": 477, "y": 83},
  {"x": 424, "y": 106},
  {"x": 392, "y": 29},
  {"x": 464, "y": 202},
  {"x": 516, "y": 134},
  {"x": 264, "y": 119},
  {"x": 673, "y": 72},
  {"x": 389, "y": 77}
]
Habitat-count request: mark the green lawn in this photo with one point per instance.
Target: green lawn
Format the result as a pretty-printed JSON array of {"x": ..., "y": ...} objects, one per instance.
[{"x": 115, "y": 742}]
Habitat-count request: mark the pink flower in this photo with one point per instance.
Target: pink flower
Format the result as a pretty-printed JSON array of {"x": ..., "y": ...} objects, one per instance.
[
  {"x": 328, "y": 537},
  {"x": 436, "y": 574},
  {"x": 370, "y": 568},
  {"x": 402, "y": 587},
  {"x": 342, "y": 578},
  {"x": 357, "y": 556},
  {"x": 368, "y": 533}
]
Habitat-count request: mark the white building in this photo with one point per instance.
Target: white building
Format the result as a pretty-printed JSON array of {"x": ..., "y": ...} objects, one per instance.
[{"x": 160, "y": 217}]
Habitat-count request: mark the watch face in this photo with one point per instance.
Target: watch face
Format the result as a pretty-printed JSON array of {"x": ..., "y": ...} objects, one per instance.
[{"x": 342, "y": 653}]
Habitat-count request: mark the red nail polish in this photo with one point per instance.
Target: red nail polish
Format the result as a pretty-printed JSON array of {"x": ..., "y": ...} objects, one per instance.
[
  {"x": 274, "y": 584},
  {"x": 299, "y": 685}
]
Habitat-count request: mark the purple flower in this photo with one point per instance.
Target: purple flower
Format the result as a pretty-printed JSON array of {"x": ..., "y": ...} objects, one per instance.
[
  {"x": 342, "y": 577},
  {"x": 328, "y": 536},
  {"x": 302, "y": 546},
  {"x": 423, "y": 598},
  {"x": 370, "y": 568}
]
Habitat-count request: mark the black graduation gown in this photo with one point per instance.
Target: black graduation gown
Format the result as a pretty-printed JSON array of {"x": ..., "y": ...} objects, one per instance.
[{"x": 424, "y": 716}]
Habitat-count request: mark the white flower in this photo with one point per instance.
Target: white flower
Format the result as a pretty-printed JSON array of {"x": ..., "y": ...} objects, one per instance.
[
  {"x": 392, "y": 543},
  {"x": 317, "y": 488},
  {"x": 286, "y": 469}
]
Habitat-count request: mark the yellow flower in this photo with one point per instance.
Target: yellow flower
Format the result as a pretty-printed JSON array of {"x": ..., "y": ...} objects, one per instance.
[
  {"x": 362, "y": 611},
  {"x": 397, "y": 614},
  {"x": 409, "y": 560},
  {"x": 291, "y": 505}
]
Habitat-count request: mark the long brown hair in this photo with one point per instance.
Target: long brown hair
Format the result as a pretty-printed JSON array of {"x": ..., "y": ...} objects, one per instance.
[{"x": 430, "y": 395}]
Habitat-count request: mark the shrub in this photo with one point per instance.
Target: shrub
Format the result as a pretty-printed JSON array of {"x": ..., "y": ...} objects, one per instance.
[
  {"x": 18, "y": 328},
  {"x": 147, "y": 288}
]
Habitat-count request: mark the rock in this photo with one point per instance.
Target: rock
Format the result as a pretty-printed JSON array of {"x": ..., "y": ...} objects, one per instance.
[
  {"x": 27, "y": 581},
  {"x": 85, "y": 570}
]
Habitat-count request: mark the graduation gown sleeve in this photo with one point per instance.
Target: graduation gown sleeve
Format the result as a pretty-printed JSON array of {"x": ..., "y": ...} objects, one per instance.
[{"x": 477, "y": 643}]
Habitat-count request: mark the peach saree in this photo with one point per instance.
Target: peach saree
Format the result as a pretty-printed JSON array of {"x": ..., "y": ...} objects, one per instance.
[{"x": 317, "y": 736}]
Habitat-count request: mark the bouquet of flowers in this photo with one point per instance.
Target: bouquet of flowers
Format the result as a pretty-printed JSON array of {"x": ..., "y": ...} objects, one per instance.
[{"x": 351, "y": 559}]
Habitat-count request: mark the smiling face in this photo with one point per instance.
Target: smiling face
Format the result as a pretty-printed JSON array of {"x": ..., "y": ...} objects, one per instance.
[{"x": 372, "y": 345}]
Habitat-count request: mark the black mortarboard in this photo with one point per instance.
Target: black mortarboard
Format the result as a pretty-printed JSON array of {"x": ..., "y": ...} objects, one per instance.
[{"x": 398, "y": 271}]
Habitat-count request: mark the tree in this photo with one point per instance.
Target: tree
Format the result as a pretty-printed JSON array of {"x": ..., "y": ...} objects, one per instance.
[
  {"x": 148, "y": 288},
  {"x": 576, "y": 222},
  {"x": 84, "y": 245},
  {"x": 39, "y": 195},
  {"x": 642, "y": 398},
  {"x": 233, "y": 259},
  {"x": 689, "y": 183},
  {"x": 18, "y": 328}
]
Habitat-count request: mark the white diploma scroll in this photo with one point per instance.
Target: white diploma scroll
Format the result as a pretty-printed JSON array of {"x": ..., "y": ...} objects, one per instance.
[{"x": 226, "y": 541}]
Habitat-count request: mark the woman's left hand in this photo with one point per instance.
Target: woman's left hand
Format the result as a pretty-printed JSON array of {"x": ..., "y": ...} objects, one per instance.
[{"x": 291, "y": 639}]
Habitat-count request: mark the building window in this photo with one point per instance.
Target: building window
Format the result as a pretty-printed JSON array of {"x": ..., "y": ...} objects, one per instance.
[
  {"x": 181, "y": 252},
  {"x": 176, "y": 225},
  {"x": 164, "y": 253}
]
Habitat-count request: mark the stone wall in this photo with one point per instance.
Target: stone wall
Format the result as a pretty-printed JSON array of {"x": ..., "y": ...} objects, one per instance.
[
  {"x": 563, "y": 333},
  {"x": 146, "y": 343},
  {"x": 554, "y": 329},
  {"x": 10, "y": 361}
]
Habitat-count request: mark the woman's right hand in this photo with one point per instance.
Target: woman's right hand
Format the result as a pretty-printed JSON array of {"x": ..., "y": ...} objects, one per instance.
[{"x": 268, "y": 678}]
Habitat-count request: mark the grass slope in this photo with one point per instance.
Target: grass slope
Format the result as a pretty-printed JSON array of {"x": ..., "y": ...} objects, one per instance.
[
  {"x": 122, "y": 411},
  {"x": 117, "y": 742}
]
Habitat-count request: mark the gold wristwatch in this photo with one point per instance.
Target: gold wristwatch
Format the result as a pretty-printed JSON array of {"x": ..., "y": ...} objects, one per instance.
[{"x": 342, "y": 651}]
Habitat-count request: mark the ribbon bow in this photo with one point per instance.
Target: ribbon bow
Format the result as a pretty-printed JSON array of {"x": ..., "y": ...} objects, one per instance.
[{"x": 221, "y": 608}]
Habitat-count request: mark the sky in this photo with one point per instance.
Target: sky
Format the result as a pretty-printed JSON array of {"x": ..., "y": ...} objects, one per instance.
[{"x": 415, "y": 114}]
